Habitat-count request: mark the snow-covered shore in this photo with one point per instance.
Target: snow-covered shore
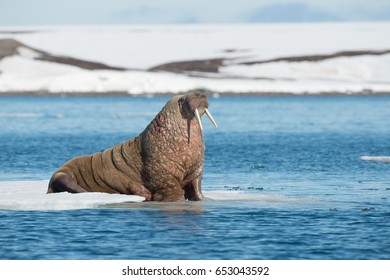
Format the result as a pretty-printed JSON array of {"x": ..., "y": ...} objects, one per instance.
[{"x": 263, "y": 59}]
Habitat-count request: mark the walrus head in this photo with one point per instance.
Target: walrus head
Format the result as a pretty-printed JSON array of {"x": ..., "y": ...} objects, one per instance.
[{"x": 194, "y": 105}]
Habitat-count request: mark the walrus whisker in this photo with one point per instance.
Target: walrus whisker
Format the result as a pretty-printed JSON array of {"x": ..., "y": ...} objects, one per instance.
[
  {"x": 189, "y": 130},
  {"x": 199, "y": 120},
  {"x": 210, "y": 117}
]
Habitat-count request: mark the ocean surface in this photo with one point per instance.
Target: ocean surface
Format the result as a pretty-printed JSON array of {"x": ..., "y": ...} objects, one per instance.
[{"x": 290, "y": 178}]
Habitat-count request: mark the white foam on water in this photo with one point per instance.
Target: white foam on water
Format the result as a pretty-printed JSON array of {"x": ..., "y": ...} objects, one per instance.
[
  {"x": 376, "y": 158},
  {"x": 21, "y": 115},
  {"x": 254, "y": 197},
  {"x": 31, "y": 195}
]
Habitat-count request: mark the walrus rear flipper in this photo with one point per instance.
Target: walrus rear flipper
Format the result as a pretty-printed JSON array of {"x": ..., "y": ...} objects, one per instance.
[{"x": 62, "y": 182}]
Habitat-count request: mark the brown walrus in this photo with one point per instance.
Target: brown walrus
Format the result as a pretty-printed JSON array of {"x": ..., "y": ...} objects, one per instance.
[{"x": 163, "y": 163}]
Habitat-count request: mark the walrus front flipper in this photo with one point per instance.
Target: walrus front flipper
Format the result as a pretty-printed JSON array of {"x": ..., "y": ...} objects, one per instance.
[
  {"x": 193, "y": 191},
  {"x": 63, "y": 182}
]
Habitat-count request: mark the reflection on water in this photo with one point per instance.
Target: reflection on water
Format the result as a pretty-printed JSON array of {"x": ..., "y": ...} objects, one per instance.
[{"x": 172, "y": 208}]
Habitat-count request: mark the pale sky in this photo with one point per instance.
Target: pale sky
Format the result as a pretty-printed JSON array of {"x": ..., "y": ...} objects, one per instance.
[{"x": 50, "y": 12}]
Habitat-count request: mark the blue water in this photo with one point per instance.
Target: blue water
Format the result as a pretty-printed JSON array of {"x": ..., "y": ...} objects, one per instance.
[{"x": 301, "y": 155}]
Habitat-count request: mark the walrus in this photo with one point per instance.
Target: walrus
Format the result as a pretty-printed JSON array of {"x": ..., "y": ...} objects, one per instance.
[{"x": 163, "y": 163}]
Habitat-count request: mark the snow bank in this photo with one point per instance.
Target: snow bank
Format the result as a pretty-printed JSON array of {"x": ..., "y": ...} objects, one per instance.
[{"x": 140, "y": 48}]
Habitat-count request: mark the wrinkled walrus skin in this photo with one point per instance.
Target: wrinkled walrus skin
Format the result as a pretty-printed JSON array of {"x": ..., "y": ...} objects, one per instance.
[{"x": 163, "y": 163}]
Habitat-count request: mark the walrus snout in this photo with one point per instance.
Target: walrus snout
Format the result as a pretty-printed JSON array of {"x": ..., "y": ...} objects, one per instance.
[{"x": 195, "y": 105}]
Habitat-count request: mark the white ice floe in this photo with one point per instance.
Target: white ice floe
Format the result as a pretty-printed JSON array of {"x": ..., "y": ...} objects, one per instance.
[
  {"x": 141, "y": 47},
  {"x": 31, "y": 195},
  {"x": 376, "y": 158}
]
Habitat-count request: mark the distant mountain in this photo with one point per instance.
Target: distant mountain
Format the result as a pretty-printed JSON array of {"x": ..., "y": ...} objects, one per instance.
[{"x": 290, "y": 12}]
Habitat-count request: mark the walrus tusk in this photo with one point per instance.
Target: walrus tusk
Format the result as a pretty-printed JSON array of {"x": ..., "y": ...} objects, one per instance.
[
  {"x": 199, "y": 120},
  {"x": 210, "y": 117}
]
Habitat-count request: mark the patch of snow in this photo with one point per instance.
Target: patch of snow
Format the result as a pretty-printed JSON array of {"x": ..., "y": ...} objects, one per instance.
[
  {"x": 142, "y": 47},
  {"x": 367, "y": 68},
  {"x": 28, "y": 53}
]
